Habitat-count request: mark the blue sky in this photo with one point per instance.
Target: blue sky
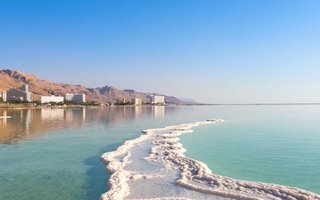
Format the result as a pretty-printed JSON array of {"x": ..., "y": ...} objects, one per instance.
[{"x": 226, "y": 51}]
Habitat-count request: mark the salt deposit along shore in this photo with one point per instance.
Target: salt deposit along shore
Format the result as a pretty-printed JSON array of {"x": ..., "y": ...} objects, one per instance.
[{"x": 153, "y": 166}]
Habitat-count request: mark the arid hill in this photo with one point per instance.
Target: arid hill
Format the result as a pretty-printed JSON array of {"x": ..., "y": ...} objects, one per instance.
[{"x": 15, "y": 79}]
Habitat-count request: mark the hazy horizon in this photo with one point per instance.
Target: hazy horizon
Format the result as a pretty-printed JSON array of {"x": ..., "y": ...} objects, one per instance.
[{"x": 211, "y": 51}]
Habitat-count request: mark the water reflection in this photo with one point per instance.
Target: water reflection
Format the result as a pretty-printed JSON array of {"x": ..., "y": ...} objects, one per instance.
[
  {"x": 158, "y": 112},
  {"x": 28, "y": 123}
]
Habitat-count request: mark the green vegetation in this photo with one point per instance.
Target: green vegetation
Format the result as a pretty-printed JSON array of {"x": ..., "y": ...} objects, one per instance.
[
  {"x": 89, "y": 103},
  {"x": 123, "y": 103},
  {"x": 18, "y": 102}
]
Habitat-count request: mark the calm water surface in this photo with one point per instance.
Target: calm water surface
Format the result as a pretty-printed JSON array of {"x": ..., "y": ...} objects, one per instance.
[{"x": 54, "y": 153}]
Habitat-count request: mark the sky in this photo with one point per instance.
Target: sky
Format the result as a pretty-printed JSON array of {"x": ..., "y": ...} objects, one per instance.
[{"x": 226, "y": 51}]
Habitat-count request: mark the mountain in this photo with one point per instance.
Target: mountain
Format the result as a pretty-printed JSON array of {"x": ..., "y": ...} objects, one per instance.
[
  {"x": 187, "y": 100},
  {"x": 15, "y": 79}
]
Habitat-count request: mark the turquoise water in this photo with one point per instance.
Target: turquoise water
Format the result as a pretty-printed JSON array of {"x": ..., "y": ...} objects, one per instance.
[
  {"x": 276, "y": 144},
  {"x": 54, "y": 153}
]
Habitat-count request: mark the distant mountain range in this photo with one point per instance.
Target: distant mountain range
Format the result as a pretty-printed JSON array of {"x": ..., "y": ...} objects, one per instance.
[
  {"x": 14, "y": 79},
  {"x": 187, "y": 100}
]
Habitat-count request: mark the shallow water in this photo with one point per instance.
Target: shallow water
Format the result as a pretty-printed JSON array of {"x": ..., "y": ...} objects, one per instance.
[
  {"x": 54, "y": 153},
  {"x": 275, "y": 144}
]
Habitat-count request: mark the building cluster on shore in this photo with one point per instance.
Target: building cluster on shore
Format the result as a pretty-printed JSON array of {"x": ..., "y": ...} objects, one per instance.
[
  {"x": 24, "y": 95},
  {"x": 17, "y": 94}
]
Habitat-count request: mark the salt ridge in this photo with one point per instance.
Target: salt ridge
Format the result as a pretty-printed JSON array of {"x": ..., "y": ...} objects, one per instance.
[{"x": 167, "y": 153}]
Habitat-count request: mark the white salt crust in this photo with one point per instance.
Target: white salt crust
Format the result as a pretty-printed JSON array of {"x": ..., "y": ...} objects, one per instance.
[{"x": 166, "y": 152}]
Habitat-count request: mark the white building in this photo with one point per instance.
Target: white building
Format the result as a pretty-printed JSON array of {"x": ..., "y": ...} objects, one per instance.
[
  {"x": 137, "y": 101},
  {"x": 51, "y": 99},
  {"x": 75, "y": 98},
  {"x": 21, "y": 94},
  {"x": 157, "y": 99},
  {"x": 3, "y": 96},
  {"x": 122, "y": 101}
]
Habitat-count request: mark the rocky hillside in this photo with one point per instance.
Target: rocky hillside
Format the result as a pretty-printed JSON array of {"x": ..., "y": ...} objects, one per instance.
[{"x": 15, "y": 79}]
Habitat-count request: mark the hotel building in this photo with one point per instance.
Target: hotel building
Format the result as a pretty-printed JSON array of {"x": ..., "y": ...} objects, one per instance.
[
  {"x": 137, "y": 101},
  {"x": 157, "y": 99},
  {"x": 75, "y": 98},
  {"x": 51, "y": 99},
  {"x": 21, "y": 94}
]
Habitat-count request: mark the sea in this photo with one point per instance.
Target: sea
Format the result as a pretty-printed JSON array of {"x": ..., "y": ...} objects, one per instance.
[{"x": 54, "y": 153}]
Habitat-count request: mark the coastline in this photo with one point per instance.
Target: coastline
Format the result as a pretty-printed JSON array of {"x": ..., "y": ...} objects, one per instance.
[
  {"x": 29, "y": 105},
  {"x": 160, "y": 155}
]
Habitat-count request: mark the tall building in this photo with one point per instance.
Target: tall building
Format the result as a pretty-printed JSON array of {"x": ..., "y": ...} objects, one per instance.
[
  {"x": 157, "y": 99},
  {"x": 21, "y": 94},
  {"x": 75, "y": 98},
  {"x": 3, "y": 96},
  {"x": 137, "y": 101},
  {"x": 51, "y": 99}
]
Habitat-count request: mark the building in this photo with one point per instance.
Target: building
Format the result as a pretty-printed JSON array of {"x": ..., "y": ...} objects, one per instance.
[
  {"x": 75, "y": 98},
  {"x": 21, "y": 94},
  {"x": 157, "y": 99},
  {"x": 122, "y": 101},
  {"x": 137, "y": 101},
  {"x": 51, "y": 99},
  {"x": 3, "y": 96}
]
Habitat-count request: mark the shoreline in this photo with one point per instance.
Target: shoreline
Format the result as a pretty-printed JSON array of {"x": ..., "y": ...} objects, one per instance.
[
  {"x": 30, "y": 106},
  {"x": 163, "y": 157},
  {"x": 26, "y": 106}
]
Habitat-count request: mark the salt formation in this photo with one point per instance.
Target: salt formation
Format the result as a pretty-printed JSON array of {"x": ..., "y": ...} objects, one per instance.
[{"x": 153, "y": 166}]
